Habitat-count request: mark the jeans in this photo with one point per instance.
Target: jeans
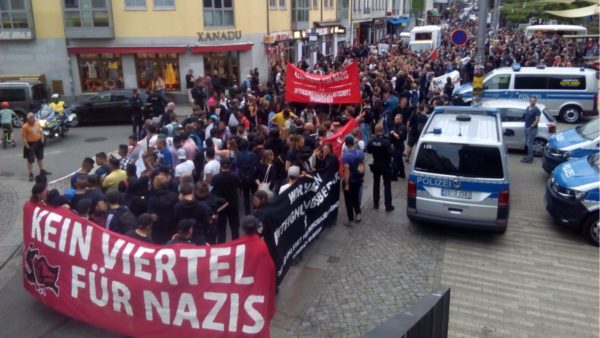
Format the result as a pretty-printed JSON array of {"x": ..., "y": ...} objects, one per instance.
[
  {"x": 530, "y": 134},
  {"x": 365, "y": 132},
  {"x": 352, "y": 199}
]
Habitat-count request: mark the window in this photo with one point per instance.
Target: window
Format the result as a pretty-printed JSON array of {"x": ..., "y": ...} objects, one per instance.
[
  {"x": 530, "y": 82},
  {"x": 512, "y": 114},
  {"x": 100, "y": 72},
  {"x": 14, "y": 14},
  {"x": 12, "y": 94},
  {"x": 218, "y": 13},
  {"x": 135, "y": 4},
  {"x": 315, "y": 4},
  {"x": 226, "y": 64},
  {"x": 459, "y": 160},
  {"x": 118, "y": 98},
  {"x": 281, "y": 4},
  {"x": 86, "y": 13},
  {"x": 164, "y": 4},
  {"x": 300, "y": 10},
  {"x": 566, "y": 82},
  {"x": 158, "y": 70},
  {"x": 497, "y": 82},
  {"x": 272, "y": 3}
]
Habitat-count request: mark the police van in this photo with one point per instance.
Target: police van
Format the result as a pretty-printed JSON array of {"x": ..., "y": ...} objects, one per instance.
[
  {"x": 459, "y": 170},
  {"x": 572, "y": 143},
  {"x": 572, "y": 195},
  {"x": 568, "y": 93}
]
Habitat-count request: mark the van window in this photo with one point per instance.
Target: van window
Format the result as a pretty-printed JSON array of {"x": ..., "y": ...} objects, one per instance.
[
  {"x": 39, "y": 92},
  {"x": 498, "y": 82},
  {"x": 512, "y": 114},
  {"x": 566, "y": 82},
  {"x": 530, "y": 82},
  {"x": 459, "y": 160},
  {"x": 12, "y": 94},
  {"x": 423, "y": 36}
]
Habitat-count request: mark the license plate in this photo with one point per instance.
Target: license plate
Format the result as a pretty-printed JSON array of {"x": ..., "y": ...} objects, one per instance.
[{"x": 457, "y": 194}]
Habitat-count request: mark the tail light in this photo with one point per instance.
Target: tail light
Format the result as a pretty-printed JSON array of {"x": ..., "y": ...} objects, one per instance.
[
  {"x": 503, "y": 198},
  {"x": 412, "y": 189},
  {"x": 551, "y": 128}
]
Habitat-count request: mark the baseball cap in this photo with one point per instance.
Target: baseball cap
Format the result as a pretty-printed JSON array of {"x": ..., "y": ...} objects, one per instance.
[
  {"x": 349, "y": 140},
  {"x": 293, "y": 171},
  {"x": 213, "y": 117},
  {"x": 181, "y": 154}
]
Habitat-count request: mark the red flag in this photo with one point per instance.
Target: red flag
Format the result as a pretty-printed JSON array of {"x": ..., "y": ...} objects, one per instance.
[
  {"x": 433, "y": 54},
  {"x": 342, "y": 87},
  {"x": 337, "y": 140}
]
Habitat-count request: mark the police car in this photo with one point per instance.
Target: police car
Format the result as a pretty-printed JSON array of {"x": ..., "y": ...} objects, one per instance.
[
  {"x": 459, "y": 170},
  {"x": 572, "y": 195},
  {"x": 572, "y": 143}
]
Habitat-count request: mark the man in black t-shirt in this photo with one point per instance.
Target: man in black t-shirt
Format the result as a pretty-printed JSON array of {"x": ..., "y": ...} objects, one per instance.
[
  {"x": 227, "y": 185},
  {"x": 415, "y": 126}
]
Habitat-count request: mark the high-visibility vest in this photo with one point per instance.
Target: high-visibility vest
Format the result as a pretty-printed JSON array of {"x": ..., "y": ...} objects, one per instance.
[{"x": 58, "y": 106}]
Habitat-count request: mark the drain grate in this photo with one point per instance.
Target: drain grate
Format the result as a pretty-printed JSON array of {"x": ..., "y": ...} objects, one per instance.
[{"x": 95, "y": 139}]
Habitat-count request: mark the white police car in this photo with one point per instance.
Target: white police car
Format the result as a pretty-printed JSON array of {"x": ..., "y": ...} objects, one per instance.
[
  {"x": 572, "y": 143},
  {"x": 572, "y": 195}
]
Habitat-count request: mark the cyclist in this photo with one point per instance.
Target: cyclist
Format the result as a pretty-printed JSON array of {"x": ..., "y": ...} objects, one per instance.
[{"x": 6, "y": 119}]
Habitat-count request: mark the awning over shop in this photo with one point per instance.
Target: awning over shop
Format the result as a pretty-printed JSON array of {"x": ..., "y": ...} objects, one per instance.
[
  {"x": 398, "y": 21},
  {"x": 577, "y": 12},
  {"x": 125, "y": 50},
  {"x": 222, "y": 48}
]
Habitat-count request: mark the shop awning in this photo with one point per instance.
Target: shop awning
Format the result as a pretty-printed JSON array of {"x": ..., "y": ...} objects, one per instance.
[
  {"x": 578, "y": 12},
  {"x": 222, "y": 48},
  {"x": 125, "y": 50},
  {"x": 398, "y": 21}
]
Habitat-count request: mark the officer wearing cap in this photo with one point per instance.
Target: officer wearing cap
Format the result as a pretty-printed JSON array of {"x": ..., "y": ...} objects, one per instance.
[{"x": 381, "y": 148}]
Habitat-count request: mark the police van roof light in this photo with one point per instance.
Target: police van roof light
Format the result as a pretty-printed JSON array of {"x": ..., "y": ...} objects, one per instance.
[
  {"x": 437, "y": 131},
  {"x": 516, "y": 67},
  {"x": 463, "y": 118}
]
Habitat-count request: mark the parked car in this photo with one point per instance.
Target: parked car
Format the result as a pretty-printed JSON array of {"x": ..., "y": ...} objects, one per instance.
[
  {"x": 572, "y": 195},
  {"x": 103, "y": 107},
  {"x": 23, "y": 97},
  {"x": 513, "y": 125},
  {"x": 572, "y": 143}
]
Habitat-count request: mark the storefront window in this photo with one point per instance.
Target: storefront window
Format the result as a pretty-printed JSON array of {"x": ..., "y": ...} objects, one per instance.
[
  {"x": 227, "y": 66},
  {"x": 100, "y": 72},
  {"x": 158, "y": 71}
]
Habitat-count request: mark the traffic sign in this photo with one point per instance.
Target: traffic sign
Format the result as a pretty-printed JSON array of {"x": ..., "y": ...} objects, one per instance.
[{"x": 459, "y": 37}]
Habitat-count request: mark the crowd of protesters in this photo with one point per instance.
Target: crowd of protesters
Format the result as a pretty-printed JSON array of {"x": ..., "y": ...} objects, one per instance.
[{"x": 187, "y": 180}]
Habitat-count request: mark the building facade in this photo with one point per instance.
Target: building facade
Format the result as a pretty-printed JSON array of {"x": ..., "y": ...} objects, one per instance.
[{"x": 83, "y": 46}]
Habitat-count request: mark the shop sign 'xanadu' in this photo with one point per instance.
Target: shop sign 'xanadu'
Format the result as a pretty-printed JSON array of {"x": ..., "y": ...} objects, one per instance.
[{"x": 219, "y": 36}]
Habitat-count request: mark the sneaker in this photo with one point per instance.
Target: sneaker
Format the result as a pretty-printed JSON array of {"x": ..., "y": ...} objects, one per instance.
[
  {"x": 390, "y": 209},
  {"x": 31, "y": 177},
  {"x": 348, "y": 224},
  {"x": 358, "y": 218},
  {"x": 526, "y": 160},
  {"x": 45, "y": 173}
]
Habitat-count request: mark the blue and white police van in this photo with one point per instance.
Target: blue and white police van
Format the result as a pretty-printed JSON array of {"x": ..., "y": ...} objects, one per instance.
[
  {"x": 572, "y": 195},
  {"x": 567, "y": 92},
  {"x": 572, "y": 143},
  {"x": 459, "y": 170}
]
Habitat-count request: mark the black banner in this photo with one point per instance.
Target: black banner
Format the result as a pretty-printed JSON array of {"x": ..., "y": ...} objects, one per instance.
[{"x": 294, "y": 218}]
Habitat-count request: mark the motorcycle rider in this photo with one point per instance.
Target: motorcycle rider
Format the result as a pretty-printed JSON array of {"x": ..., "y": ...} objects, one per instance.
[
  {"x": 6, "y": 119},
  {"x": 58, "y": 106}
]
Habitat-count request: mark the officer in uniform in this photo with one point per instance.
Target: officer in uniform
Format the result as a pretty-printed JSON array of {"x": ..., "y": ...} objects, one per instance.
[
  {"x": 381, "y": 148},
  {"x": 398, "y": 136}
]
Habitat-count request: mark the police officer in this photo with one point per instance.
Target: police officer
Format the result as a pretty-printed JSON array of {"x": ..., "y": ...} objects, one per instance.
[
  {"x": 381, "y": 148},
  {"x": 137, "y": 107},
  {"x": 397, "y": 137}
]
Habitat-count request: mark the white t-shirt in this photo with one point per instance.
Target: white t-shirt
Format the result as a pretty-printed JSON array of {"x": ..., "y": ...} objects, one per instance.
[
  {"x": 360, "y": 143},
  {"x": 213, "y": 167},
  {"x": 184, "y": 168},
  {"x": 284, "y": 188}
]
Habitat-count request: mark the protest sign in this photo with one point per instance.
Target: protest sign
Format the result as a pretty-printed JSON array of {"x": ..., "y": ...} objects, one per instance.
[
  {"x": 341, "y": 87},
  {"x": 294, "y": 219},
  {"x": 145, "y": 290},
  {"x": 439, "y": 82}
]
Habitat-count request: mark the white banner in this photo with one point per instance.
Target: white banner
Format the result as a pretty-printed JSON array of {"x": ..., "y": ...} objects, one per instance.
[{"x": 440, "y": 82}]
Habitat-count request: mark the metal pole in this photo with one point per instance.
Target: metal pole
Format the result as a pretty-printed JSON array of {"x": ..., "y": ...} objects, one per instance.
[
  {"x": 482, "y": 32},
  {"x": 496, "y": 17},
  {"x": 351, "y": 28}
]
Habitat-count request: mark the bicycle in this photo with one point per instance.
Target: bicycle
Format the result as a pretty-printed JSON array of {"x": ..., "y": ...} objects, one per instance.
[{"x": 6, "y": 136}]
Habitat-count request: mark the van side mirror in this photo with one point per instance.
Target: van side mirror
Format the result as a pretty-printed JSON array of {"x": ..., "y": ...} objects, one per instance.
[{"x": 509, "y": 132}]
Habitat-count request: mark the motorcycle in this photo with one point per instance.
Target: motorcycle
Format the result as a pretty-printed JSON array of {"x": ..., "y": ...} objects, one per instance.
[{"x": 56, "y": 124}]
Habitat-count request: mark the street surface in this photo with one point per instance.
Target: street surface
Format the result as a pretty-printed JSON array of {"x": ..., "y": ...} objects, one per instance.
[{"x": 539, "y": 279}]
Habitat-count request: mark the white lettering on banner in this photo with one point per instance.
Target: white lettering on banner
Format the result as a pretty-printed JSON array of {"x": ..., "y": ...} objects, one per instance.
[
  {"x": 100, "y": 294},
  {"x": 439, "y": 82},
  {"x": 186, "y": 310},
  {"x": 215, "y": 266},
  {"x": 240, "y": 255},
  {"x": 140, "y": 262},
  {"x": 209, "y": 320},
  {"x": 234, "y": 312},
  {"x": 162, "y": 307},
  {"x": 299, "y": 211},
  {"x": 46, "y": 233},
  {"x": 121, "y": 296},
  {"x": 110, "y": 258},
  {"x": 192, "y": 256},
  {"x": 165, "y": 267},
  {"x": 125, "y": 258},
  {"x": 321, "y": 97},
  {"x": 76, "y": 283},
  {"x": 259, "y": 321},
  {"x": 327, "y": 79}
]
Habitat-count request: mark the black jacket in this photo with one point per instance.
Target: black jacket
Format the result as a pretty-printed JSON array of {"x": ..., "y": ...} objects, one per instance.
[
  {"x": 198, "y": 211},
  {"x": 381, "y": 148},
  {"x": 162, "y": 203}
]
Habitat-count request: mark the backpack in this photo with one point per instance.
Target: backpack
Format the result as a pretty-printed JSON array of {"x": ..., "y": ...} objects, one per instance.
[
  {"x": 414, "y": 98},
  {"x": 247, "y": 166},
  {"x": 120, "y": 220}
]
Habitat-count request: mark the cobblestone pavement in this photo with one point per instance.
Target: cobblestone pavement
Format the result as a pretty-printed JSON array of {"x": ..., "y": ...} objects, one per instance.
[{"x": 10, "y": 232}]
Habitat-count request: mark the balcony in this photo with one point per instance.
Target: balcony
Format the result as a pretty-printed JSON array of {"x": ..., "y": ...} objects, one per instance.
[{"x": 300, "y": 13}]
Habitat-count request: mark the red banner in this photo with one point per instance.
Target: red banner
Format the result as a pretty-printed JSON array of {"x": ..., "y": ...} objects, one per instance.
[
  {"x": 145, "y": 290},
  {"x": 341, "y": 87}
]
